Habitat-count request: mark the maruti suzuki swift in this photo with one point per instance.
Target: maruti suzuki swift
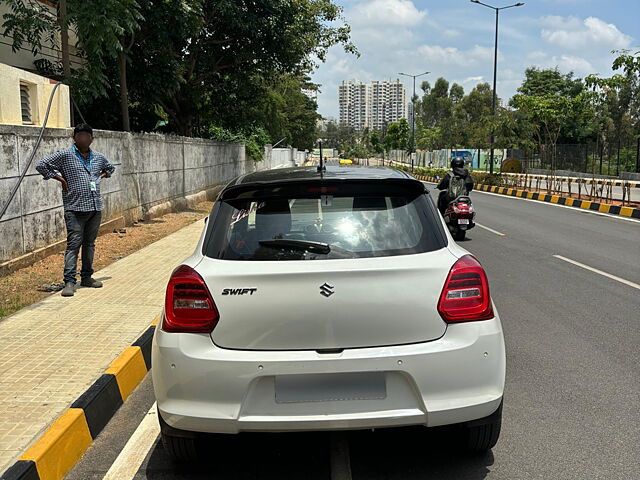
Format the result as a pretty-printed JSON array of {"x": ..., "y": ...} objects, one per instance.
[{"x": 326, "y": 299}]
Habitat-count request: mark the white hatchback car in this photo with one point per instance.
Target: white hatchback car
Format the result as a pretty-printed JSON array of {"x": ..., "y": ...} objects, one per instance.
[{"x": 327, "y": 299}]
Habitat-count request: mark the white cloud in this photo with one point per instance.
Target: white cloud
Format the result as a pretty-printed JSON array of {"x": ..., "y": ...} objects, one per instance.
[
  {"x": 453, "y": 56},
  {"x": 448, "y": 33},
  {"x": 473, "y": 80},
  {"x": 387, "y": 12},
  {"x": 564, "y": 62},
  {"x": 400, "y": 35},
  {"x": 575, "y": 34},
  {"x": 537, "y": 55},
  {"x": 569, "y": 63}
]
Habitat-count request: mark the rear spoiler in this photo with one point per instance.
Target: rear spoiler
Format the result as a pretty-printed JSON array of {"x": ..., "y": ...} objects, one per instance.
[{"x": 335, "y": 186}]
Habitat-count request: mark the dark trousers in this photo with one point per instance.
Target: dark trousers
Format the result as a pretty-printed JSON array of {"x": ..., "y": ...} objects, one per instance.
[
  {"x": 82, "y": 230},
  {"x": 442, "y": 201}
]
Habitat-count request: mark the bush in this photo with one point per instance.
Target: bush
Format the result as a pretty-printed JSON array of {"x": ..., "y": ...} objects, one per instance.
[
  {"x": 488, "y": 179},
  {"x": 254, "y": 140},
  {"x": 424, "y": 171},
  {"x": 431, "y": 172}
]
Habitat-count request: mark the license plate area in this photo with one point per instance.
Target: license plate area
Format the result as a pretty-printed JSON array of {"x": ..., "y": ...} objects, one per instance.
[
  {"x": 463, "y": 221},
  {"x": 330, "y": 387}
]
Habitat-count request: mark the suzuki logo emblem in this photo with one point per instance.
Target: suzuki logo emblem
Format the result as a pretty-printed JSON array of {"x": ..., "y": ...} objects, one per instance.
[{"x": 326, "y": 290}]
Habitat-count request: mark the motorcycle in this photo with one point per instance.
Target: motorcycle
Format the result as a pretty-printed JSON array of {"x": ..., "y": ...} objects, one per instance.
[{"x": 459, "y": 217}]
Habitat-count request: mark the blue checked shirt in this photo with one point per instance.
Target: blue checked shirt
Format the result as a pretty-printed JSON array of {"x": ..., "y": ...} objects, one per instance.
[{"x": 71, "y": 166}]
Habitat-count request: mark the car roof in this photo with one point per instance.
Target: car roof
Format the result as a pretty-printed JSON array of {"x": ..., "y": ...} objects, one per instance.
[{"x": 310, "y": 174}]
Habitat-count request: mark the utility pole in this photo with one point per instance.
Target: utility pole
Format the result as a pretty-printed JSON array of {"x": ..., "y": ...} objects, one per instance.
[
  {"x": 64, "y": 38},
  {"x": 64, "y": 47},
  {"x": 495, "y": 72},
  {"x": 413, "y": 114}
]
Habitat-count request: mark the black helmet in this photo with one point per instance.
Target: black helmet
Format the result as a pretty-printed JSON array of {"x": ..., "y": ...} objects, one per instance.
[{"x": 457, "y": 163}]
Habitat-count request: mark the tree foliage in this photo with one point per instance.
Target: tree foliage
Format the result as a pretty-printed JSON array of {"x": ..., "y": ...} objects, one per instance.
[{"x": 239, "y": 65}]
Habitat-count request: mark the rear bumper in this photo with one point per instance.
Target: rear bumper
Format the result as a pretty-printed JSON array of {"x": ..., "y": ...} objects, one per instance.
[{"x": 202, "y": 388}]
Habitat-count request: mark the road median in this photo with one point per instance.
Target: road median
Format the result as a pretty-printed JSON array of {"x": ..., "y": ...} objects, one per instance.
[
  {"x": 64, "y": 442},
  {"x": 83, "y": 355},
  {"x": 623, "y": 211}
]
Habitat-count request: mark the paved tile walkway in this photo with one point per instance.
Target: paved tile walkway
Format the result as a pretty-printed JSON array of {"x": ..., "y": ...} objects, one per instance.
[{"x": 54, "y": 350}]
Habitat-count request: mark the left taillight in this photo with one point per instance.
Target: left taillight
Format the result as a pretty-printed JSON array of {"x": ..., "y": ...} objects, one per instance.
[
  {"x": 465, "y": 296},
  {"x": 188, "y": 305}
]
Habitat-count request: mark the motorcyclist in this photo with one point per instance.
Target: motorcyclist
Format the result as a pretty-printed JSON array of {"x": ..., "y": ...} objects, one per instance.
[{"x": 458, "y": 170}]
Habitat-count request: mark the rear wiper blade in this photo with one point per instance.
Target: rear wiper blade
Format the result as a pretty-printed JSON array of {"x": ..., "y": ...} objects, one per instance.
[{"x": 306, "y": 245}]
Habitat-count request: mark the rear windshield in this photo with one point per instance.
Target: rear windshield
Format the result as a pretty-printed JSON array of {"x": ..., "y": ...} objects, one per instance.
[{"x": 323, "y": 223}]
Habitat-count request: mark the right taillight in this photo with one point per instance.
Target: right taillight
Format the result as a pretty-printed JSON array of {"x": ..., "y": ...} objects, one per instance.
[
  {"x": 188, "y": 305},
  {"x": 465, "y": 296}
]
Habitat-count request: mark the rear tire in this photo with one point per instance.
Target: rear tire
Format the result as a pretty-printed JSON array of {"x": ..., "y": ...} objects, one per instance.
[
  {"x": 459, "y": 235},
  {"x": 482, "y": 435},
  {"x": 180, "y": 445},
  {"x": 180, "y": 449}
]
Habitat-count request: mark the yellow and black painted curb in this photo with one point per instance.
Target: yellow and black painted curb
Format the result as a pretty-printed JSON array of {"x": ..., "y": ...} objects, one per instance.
[
  {"x": 557, "y": 199},
  {"x": 55, "y": 453}
]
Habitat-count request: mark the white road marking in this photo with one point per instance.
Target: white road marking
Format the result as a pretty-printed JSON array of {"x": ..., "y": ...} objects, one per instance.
[
  {"x": 340, "y": 460},
  {"x": 600, "y": 272},
  {"x": 491, "y": 230},
  {"x": 575, "y": 209},
  {"x": 135, "y": 451}
]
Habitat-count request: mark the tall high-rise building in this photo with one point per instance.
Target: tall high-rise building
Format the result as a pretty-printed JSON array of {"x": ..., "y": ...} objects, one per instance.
[
  {"x": 371, "y": 105},
  {"x": 354, "y": 104}
]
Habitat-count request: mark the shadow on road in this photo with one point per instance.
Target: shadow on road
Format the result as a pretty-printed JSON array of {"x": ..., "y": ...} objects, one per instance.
[
  {"x": 414, "y": 453},
  {"x": 250, "y": 456},
  {"x": 402, "y": 454}
]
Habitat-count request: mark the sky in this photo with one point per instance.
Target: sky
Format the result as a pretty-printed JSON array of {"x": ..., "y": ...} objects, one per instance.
[{"x": 455, "y": 39}]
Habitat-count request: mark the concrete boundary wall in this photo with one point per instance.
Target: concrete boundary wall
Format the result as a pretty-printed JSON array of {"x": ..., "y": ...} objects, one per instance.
[
  {"x": 154, "y": 174},
  {"x": 288, "y": 155}
]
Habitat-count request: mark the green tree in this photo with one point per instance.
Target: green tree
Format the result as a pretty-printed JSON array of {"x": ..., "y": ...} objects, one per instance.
[
  {"x": 629, "y": 63},
  {"x": 286, "y": 112},
  {"x": 548, "y": 114},
  {"x": 100, "y": 42},
  {"x": 392, "y": 137},
  {"x": 104, "y": 42},
  {"x": 470, "y": 124},
  {"x": 33, "y": 25},
  {"x": 330, "y": 135},
  {"x": 540, "y": 82},
  {"x": 404, "y": 135},
  {"x": 551, "y": 83},
  {"x": 436, "y": 104},
  {"x": 198, "y": 64},
  {"x": 376, "y": 142},
  {"x": 223, "y": 49},
  {"x": 428, "y": 138}
]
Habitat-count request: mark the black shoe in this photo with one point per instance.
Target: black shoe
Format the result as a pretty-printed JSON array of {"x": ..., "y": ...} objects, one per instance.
[
  {"x": 90, "y": 282},
  {"x": 69, "y": 289}
]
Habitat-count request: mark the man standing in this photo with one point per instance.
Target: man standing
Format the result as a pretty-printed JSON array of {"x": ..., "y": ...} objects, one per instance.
[{"x": 79, "y": 169}]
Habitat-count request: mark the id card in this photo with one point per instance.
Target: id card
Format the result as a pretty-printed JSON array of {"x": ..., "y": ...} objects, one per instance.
[{"x": 92, "y": 186}]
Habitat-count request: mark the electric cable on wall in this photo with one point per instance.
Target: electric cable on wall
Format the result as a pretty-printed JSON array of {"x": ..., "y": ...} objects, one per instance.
[{"x": 33, "y": 153}]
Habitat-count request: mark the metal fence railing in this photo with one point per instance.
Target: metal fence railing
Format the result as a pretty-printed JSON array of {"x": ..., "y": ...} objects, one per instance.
[{"x": 599, "y": 159}]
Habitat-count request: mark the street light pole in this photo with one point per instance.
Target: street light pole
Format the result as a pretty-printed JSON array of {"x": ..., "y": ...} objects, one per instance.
[
  {"x": 495, "y": 75},
  {"x": 413, "y": 114},
  {"x": 493, "y": 98}
]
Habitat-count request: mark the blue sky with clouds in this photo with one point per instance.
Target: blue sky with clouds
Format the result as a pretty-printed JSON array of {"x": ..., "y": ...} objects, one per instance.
[{"x": 454, "y": 39}]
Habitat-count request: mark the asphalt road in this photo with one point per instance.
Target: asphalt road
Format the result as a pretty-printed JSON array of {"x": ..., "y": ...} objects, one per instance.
[{"x": 572, "y": 400}]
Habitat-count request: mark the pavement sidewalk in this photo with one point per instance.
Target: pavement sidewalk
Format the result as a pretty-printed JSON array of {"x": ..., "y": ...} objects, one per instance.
[{"x": 53, "y": 350}]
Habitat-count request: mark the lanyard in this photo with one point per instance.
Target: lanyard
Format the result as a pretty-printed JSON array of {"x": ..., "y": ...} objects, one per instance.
[{"x": 82, "y": 159}]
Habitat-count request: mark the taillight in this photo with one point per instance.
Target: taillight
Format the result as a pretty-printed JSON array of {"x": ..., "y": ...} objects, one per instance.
[
  {"x": 462, "y": 208},
  {"x": 465, "y": 296},
  {"x": 188, "y": 304}
]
